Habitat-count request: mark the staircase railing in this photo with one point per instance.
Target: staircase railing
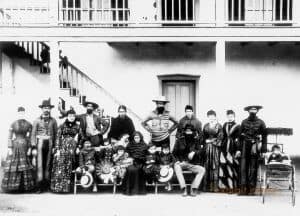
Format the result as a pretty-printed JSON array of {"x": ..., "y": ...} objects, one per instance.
[{"x": 74, "y": 79}]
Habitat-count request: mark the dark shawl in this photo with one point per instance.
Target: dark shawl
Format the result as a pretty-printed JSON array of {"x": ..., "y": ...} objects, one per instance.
[{"x": 121, "y": 126}]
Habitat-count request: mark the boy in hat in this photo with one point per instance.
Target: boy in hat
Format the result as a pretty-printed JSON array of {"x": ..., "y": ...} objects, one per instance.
[
  {"x": 121, "y": 160},
  {"x": 166, "y": 160},
  {"x": 188, "y": 154},
  {"x": 43, "y": 139},
  {"x": 253, "y": 144},
  {"x": 160, "y": 128}
]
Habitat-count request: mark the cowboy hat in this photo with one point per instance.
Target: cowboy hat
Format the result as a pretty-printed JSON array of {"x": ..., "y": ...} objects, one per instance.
[
  {"x": 161, "y": 99},
  {"x": 86, "y": 180},
  {"x": 165, "y": 173},
  {"x": 258, "y": 107},
  {"x": 46, "y": 103},
  {"x": 95, "y": 106}
]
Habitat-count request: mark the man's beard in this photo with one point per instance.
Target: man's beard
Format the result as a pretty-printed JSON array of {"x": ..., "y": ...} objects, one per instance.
[
  {"x": 46, "y": 113},
  {"x": 160, "y": 110},
  {"x": 252, "y": 115},
  {"x": 89, "y": 111}
]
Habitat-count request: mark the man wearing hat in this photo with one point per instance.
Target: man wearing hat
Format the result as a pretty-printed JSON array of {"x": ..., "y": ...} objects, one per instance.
[
  {"x": 253, "y": 144},
  {"x": 43, "y": 139},
  {"x": 93, "y": 127},
  {"x": 189, "y": 118},
  {"x": 189, "y": 154},
  {"x": 159, "y": 127}
]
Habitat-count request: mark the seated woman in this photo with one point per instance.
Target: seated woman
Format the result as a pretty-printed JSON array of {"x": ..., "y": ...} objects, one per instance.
[{"x": 134, "y": 180}]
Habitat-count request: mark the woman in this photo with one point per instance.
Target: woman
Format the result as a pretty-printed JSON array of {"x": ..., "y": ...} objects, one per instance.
[
  {"x": 66, "y": 147},
  {"x": 134, "y": 180},
  {"x": 229, "y": 156},
  {"x": 213, "y": 136},
  {"x": 18, "y": 171},
  {"x": 121, "y": 125}
]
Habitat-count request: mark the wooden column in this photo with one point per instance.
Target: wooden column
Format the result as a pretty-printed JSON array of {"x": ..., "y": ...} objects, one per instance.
[
  {"x": 220, "y": 56},
  {"x": 220, "y": 12}
]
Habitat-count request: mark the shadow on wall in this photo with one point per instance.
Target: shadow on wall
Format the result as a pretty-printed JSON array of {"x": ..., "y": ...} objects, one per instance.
[{"x": 169, "y": 52}]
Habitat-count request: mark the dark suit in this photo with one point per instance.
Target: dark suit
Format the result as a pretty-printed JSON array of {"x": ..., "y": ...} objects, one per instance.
[{"x": 100, "y": 124}]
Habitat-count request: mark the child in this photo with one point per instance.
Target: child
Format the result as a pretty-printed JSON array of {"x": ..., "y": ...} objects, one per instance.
[
  {"x": 151, "y": 168},
  {"x": 122, "y": 161},
  {"x": 166, "y": 160},
  {"x": 86, "y": 158},
  {"x": 277, "y": 156}
]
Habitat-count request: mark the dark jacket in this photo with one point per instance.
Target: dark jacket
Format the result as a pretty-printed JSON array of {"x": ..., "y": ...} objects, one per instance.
[
  {"x": 193, "y": 121},
  {"x": 252, "y": 129},
  {"x": 182, "y": 149},
  {"x": 166, "y": 159},
  {"x": 121, "y": 126},
  {"x": 101, "y": 124}
]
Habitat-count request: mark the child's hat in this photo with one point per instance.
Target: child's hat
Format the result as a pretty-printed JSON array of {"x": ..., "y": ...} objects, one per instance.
[{"x": 165, "y": 173}]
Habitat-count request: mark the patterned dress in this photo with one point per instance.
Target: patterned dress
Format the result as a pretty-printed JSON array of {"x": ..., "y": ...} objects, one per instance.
[
  {"x": 229, "y": 165},
  {"x": 63, "y": 163},
  {"x": 18, "y": 171},
  {"x": 213, "y": 136}
]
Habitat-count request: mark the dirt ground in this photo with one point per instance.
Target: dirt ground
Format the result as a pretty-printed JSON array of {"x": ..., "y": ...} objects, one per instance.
[{"x": 105, "y": 203}]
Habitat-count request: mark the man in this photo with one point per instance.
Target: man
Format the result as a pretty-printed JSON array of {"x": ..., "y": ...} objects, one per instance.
[
  {"x": 121, "y": 125},
  {"x": 188, "y": 154},
  {"x": 43, "y": 139},
  {"x": 189, "y": 118},
  {"x": 160, "y": 118},
  {"x": 253, "y": 144},
  {"x": 93, "y": 127}
]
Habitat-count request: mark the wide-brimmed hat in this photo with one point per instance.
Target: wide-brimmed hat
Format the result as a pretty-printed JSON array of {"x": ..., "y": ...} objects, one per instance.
[
  {"x": 165, "y": 173},
  {"x": 161, "y": 99},
  {"x": 46, "y": 103},
  {"x": 86, "y": 180},
  {"x": 258, "y": 107},
  {"x": 95, "y": 106}
]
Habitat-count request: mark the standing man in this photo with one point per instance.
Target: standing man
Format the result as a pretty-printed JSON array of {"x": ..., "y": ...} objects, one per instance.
[
  {"x": 191, "y": 119},
  {"x": 159, "y": 127},
  {"x": 43, "y": 139},
  {"x": 254, "y": 143},
  {"x": 93, "y": 127}
]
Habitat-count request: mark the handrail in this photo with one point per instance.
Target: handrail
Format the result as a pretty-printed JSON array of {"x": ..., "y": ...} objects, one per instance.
[{"x": 97, "y": 85}]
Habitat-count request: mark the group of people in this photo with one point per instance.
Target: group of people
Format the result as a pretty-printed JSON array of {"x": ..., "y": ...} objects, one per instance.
[{"x": 224, "y": 158}]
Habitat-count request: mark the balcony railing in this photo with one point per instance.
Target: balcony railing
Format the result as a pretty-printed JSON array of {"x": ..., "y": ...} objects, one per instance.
[{"x": 144, "y": 13}]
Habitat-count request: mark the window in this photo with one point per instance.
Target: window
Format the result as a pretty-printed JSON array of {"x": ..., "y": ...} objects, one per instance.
[{"x": 177, "y": 10}]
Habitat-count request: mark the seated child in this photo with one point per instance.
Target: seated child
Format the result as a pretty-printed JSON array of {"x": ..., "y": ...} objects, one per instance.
[
  {"x": 151, "y": 168},
  {"x": 86, "y": 158},
  {"x": 166, "y": 160},
  {"x": 277, "y": 156},
  {"x": 121, "y": 160},
  {"x": 104, "y": 167}
]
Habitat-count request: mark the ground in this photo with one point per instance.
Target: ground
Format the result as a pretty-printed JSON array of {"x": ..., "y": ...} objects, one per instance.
[{"x": 104, "y": 203}]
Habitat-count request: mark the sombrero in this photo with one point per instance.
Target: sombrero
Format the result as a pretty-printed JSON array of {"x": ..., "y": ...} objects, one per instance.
[
  {"x": 161, "y": 99},
  {"x": 165, "y": 173},
  {"x": 86, "y": 180},
  {"x": 258, "y": 107},
  {"x": 89, "y": 102},
  {"x": 46, "y": 103}
]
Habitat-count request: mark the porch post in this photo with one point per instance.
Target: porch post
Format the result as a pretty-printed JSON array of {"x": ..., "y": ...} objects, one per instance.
[
  {"x": 295, "y": 12},
  {"x": 53, "y": 12},
  {"x": 54, "y": 74},
  {"x": 220, "y": 56},
  {"x": 220, "y": 12}
]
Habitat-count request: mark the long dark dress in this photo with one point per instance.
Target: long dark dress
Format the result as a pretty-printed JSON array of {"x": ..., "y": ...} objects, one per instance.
[
  {"x": 64, "y": 163},
  {"x": 229, "y": 165},
  {"x": 213, "y": 137},
  {"x": 134, "y": 181},
  {"x": 18, "y": 171}
]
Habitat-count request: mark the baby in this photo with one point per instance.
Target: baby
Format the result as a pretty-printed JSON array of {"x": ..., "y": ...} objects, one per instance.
[
  {"x": 121, "y": 160},
  {"x": 277, "y": 156}
]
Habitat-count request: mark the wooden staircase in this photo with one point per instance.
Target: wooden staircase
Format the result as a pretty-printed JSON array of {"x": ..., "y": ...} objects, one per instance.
[{"x": 76, "y": 87}]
